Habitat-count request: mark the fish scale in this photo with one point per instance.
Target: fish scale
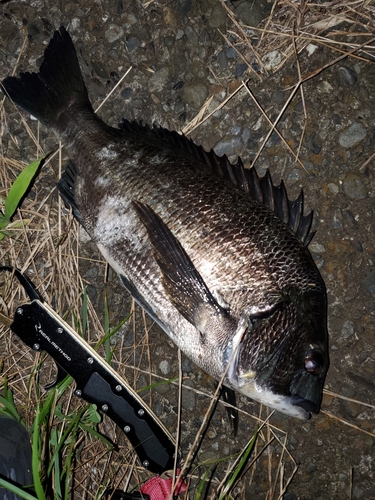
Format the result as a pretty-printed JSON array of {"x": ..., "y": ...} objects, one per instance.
[{"x": 215, "y": 254}]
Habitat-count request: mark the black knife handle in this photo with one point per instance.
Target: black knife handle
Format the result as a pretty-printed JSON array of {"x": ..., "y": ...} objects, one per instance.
[{"x": 97, "y": 382}]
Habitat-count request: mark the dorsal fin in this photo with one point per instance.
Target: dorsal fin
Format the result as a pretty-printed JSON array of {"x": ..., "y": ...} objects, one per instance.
[{"x": 246, "y": 179}]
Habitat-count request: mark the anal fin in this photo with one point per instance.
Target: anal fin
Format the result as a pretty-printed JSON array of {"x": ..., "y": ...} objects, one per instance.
[
  {"x": 66, "y": 187},
  {"x": 140, "y": 300}
]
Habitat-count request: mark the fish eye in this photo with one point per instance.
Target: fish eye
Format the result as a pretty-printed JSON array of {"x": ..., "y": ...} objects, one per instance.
[{"x": 314, "y": 361}]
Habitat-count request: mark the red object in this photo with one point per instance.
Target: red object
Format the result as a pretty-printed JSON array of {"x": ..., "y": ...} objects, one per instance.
[{"x": 158, "y": 488}]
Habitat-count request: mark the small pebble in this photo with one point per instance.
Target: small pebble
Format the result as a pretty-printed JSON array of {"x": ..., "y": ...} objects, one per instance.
[
  {"x": 317, "y": 247},
  {"x": 252, "y": 13},
  {"x": 228, "y": 146},
  {"x": 354, "y": 187},
  {"x": 164, "y": 367},
  {"x": 236, "y": 130},
  {"x": 347, "y": 329},
  {"x": 272, "y": 60},
  {"x": 311, "y": 48},
  {"x": 158, "y": 80},
  {"x": 273, "y": 140},
  {"x": 178, "y": 85},
  {"x": 188, "y": 397},
  {"x": 369, "y": 282},
  {"x": 231, "y": 53},
  {"x": 218, "y": 17},
  {"x": 311, "y": 467},
  {"x": 222, "y": 59},
  {"x": 324, "y": 87},
  {"x": 333, "y": 187},
  {"x": 131, "y": 43},
  {"x": 91, "y": 292},
  {"x": 347, "y": 76},
  {"x": 127, "y": 93},
  {"x": 99, "y": 69},
  {"x": 294, "y": 176},
  {"x": 245, "y": 135},
  {"x": 337, "y": 219},
  {"x": 315, "y": 143},
  {"x": 277, "y": 97},
  {"x": 113, "y": 33},
  {"x": 195, "y": 94},
  {"x": 351, "y": 136},
  {"x": 186, "y": 366},
  {"x": 240, "y": 69},
  {"x": 357, "y": 492}
]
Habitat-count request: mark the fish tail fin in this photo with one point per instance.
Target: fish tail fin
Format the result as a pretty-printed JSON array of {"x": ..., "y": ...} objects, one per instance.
[{"x": 58, "y": 85}]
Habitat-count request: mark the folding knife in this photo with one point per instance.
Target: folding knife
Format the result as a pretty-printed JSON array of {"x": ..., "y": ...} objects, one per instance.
[{"x": 38, "y": 326}]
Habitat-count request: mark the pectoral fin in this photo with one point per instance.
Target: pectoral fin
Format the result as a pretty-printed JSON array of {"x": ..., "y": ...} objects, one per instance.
[{"x": 182, "y": 282}]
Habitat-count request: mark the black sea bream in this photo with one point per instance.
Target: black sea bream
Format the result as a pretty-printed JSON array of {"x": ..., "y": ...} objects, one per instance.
[{"x": 215, "y": 255}]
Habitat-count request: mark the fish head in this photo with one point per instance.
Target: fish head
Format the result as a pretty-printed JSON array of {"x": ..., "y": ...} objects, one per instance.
[{"x": 282, "y": 357}]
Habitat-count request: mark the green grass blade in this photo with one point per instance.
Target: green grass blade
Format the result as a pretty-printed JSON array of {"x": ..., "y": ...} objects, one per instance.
[
  {"x": 7, "y": 406},
  {"x": 237, "y": 471},
  {"x": 71, "y": 452},
  {"x": 200, "y": 488},
  {"x": 7, "y": 409},
  {"x": 55, "y": 462},
  {"x": 19, "y": 188},
  {"x": 3, "y": 221},
  {"x": 35, "y": 457},
  {"x": 111, "y": 332},
  {"x": 157, "y": 384},
  {"x": 15, "y": 489},
  {"x": 50, "y": 399},
  {"x": 59, "y": 446},
  {"x": 96, "y": 434}
]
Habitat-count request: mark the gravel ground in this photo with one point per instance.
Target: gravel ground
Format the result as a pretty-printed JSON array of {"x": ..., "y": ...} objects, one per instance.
[{"x": 179, "y": 59}]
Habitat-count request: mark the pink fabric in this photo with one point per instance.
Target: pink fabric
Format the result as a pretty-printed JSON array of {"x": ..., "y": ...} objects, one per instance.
[{"x": 159, "y": 488}]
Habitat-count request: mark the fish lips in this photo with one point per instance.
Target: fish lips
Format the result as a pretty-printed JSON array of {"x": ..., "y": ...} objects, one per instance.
[
  {"x": 268, "y": 382},
  {"x": 306, "y": 390},
  {"x": 305, "y": 394},
  {"x": 288, "y": 404},
  {"x": 305, "y": 404}
]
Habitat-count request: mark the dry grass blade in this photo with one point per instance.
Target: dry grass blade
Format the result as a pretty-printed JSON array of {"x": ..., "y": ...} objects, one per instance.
[
  {"x": 197, "y": 121},
  {"x": 336, "y": 60},
  {"x": 244, "y": 37},
  {"x": 345, "y": 422},
  {"x": 369, "y": 160},
  {"x": 114, "y": 88},
  {"x": 242, "y": 57},
  {"x": 199, "y": 117},
  {"x": 334, "y": 394},
  {"x": 274, "y": 127},
  {"x": 302, "y": 97}
]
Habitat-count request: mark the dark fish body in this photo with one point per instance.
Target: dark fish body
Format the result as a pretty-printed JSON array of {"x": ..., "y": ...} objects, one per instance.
[{"x": 217, "y": 256}]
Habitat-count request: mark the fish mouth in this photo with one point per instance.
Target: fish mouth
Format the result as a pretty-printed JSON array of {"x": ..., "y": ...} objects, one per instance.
[
  {"x": 290, "y": 404},
  {"x": 305, "y": 404}
]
